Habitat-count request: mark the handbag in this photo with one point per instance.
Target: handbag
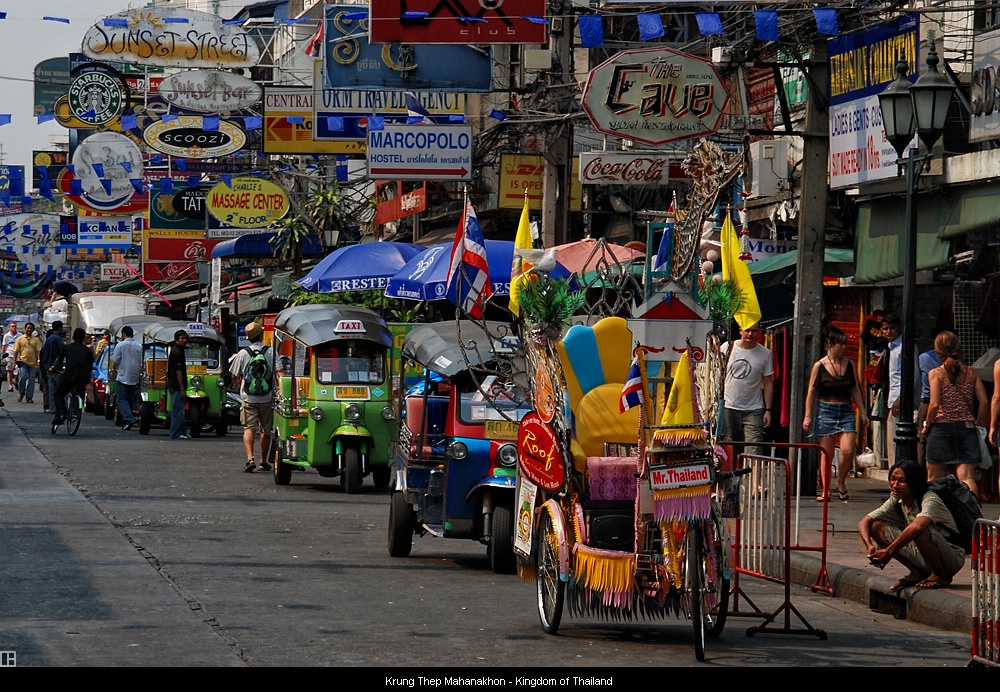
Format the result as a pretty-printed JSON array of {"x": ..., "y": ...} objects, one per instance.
[{"x": 985, "y": 458}]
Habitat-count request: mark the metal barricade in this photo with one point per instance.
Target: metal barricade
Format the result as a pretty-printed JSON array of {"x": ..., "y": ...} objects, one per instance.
[
  {"x": 763, "y": 540},
  {"x": 986, "y": 594}
]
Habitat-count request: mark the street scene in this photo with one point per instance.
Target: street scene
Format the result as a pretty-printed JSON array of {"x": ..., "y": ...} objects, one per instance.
[{"x": 466, "y": 342}]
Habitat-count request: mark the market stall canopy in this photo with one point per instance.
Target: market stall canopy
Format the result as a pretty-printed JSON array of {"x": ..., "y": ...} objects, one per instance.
[
  {"x": 837, "y": 263},
  {"x": 359, "y": 267},
  {"x": 259, "y": 245},
  {"x": 589, "y": 255}
]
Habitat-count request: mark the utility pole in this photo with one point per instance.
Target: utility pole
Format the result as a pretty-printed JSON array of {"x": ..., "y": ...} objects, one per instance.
[
  {"x": 812, "y": 231},
  {"x": 559, "y": 146}
]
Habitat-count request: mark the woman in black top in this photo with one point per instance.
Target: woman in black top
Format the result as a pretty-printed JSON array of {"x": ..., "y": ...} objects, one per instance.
[{"x": 834, "y": 383}]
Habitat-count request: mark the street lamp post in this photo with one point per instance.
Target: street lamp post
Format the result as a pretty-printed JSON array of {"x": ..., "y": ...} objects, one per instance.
[{"x": 907, "y": 108}]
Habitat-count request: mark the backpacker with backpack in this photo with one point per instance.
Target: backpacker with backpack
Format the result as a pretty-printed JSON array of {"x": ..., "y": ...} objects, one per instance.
[
  {"x": 257, "y": 376},
  {"x": 962, "y": 504}
]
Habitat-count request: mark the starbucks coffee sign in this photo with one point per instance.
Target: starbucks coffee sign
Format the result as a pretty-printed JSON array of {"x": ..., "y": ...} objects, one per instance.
[{"x": 95, "y": 97}]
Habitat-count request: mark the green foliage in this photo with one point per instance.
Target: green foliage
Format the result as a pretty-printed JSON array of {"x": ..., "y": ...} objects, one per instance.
[
  {"x": 723, "y": 299},
  {"x": 391, "y": 309},
  {"x": 550, "y": 302},
  {"x": 290, "y": 234}
]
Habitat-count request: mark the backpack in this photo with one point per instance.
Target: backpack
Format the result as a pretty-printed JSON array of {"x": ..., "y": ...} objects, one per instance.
[
  {"x": 962, "y": 504},
  {"x": 257, "y": 375}
]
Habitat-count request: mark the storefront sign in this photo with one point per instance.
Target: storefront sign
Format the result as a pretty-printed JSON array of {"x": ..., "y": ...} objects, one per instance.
[
  {"x": 95, "y": 97},
  {"x": 655, "y": 96},
  {"x": 520, "y": 173},
  {"x": 168, "y": 249},
  {"x": 457, "y": 21},
  {"x": 862, "y": 65},
  {"x": 209, "y": 91},
  {"x": 169, "y": 271},
  {"x": 37, "y": 241},
  {"x": 98, "y": 164},
  {"x": 421, "y": 152},
  {"x": 289, "y": 125},
  {"x": 114, "y": 272},
  {"x": 624, "y": 168},
  {"x": 185, "y": 136},
  {"x": 402, "y": 205},
  {"x": 171, "y": 38},
  {"x": 539, "y": 455},
  {"x": 247, "y": 203},
  {"x": 51, "y": 162},
  {"x": 104, "y": 230}
]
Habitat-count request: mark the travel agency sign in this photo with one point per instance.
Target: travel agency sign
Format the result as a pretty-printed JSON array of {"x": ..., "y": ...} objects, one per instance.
[{"x": 655, "y": 96}]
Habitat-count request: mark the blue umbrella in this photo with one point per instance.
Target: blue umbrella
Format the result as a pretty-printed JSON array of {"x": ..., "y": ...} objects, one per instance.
[
  {"x": 425, "y": 277},
  {"x": 358, "y": 267}
]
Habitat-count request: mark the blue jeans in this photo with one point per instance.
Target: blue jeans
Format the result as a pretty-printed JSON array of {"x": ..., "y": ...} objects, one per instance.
[
  {"x": 26, "y": 382},
  {"x": 128, "y": 399},
  {"x": 178, "y": 426},
  {"x": 51, "y": 396}
]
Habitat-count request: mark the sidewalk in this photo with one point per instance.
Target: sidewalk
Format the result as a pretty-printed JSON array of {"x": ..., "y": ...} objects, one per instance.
[{"x": 854, "y": 578}]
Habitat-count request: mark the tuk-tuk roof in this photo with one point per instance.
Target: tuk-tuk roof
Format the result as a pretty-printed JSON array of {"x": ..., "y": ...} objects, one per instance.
[
  {"x": 137, "y": 322},
  {"x": 439, "y": 346},
  {"x": 318, "y": 324},
  {"x": 163, "y": 332}
]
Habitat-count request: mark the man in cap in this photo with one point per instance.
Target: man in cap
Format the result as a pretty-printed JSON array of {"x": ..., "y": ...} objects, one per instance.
[{"x": 253, "y": 368}]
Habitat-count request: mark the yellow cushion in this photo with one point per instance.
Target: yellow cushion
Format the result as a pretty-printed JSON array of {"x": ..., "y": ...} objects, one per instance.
[{"x": 598, "y": 420}]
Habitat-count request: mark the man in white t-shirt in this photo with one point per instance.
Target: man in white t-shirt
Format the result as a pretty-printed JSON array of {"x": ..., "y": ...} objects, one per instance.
[
  {"x": 749, "y": 390},
  {"x": 257, "y": 413}
]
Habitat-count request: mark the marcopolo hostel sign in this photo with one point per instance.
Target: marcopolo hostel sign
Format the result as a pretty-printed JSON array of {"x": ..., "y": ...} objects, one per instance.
[
  {"x": 655, "y": 96},
  {"x": 862, "y": 64}
]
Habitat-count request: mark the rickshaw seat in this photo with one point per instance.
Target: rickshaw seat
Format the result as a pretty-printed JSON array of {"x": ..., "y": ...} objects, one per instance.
[
  {"x": 156, "y": 370},
  {"x": 434, "y": 440}
]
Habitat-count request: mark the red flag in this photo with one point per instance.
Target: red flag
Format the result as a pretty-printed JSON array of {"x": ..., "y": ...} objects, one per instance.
[
  {"x": 469, "y": 284},
  {"x": 315, "y": 46}
]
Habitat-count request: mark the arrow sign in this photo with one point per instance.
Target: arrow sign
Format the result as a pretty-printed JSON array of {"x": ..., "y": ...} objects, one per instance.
[{"x": 420, "y": 152}]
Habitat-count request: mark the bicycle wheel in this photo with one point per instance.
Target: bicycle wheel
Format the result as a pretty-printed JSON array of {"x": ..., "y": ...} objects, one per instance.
[
  {"x": 715, "y": 618},
  {"x": 74, "y": 414},
  {"x": 693, "y": 566},
  {"x": 550, "y": 588}
]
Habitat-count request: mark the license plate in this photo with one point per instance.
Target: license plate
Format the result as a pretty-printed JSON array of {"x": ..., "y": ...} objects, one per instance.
[
  {"x": 196, "y": 369},
  {"x": 668, "y": 477},
  {"x": 361, "y": 393},
  {"x": 500, "y": 430}
]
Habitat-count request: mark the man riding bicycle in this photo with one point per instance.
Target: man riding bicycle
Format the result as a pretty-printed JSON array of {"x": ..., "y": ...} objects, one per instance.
[{"x": 76, "y": 363}]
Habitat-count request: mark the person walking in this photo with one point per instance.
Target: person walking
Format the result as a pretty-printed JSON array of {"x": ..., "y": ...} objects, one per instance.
[
  {"x": 27, "y": 352},
  {"x": 52, "y": 352},
  {"x": 74, "y": 365},
  {"x": 127, "y": 360},
  {"x": 251, "y": 368},
  {"x": 927, "y": 361},
  {"x": 7, "y": 348},
  {"x": 749, "y": 389},
  {"x": 177, "y": 385},
  {"x": 834, "y": 383},
  {"x": 950, "y": 427}
]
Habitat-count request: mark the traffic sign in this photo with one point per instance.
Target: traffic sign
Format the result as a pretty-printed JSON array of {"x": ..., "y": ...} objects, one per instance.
[{"x": 420, "y": 152}]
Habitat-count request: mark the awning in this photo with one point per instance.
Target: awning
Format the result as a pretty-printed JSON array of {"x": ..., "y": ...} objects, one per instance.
[
  {"x": 837, "y": 262},
  {"x": 881, "y": 234},
  {"x": 259, "y": 245}
]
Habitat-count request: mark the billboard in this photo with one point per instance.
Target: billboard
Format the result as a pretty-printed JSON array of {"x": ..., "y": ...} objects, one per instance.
[
  {"x": 520, "y": 173},
  {"x": 51, "y": 82},
  {"x": 862, "y": 65},
  {"x": 465, "y": 22},
  {"x": 351, "y": 62}
]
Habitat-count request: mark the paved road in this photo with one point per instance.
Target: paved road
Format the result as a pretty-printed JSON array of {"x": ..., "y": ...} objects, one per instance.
[{"x": 119, "y": 549}]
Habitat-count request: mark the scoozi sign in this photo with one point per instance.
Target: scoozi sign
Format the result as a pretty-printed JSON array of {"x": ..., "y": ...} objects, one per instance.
[
  {"x": 248, "y": 203},
  {"x": 655, "y": 96},
  {"x": 186, "y": 137}
]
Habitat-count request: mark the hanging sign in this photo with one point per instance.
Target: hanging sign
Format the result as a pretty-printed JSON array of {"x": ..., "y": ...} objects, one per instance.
[
  {"x": 248, "y": 203},
  {"x": 185, "y": 136},
  {"x": 539, "y": 455},
  {"x": 466, "y": 22},
  {"x": 95, "y": 97},
  {"x": 105, "y": 164},
  {"x": 635, "y": 168},
  {"x": 171, "y": 38},
  {"x": 37, "y": 241},
  {"x": 209, "y": 91},
  {"x": 655, "y": 96}
]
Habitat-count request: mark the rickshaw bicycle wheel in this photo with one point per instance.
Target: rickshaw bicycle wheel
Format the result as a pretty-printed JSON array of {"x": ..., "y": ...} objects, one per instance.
[
  {"x": 693, "y": 566},
  {"x": 715, "y": 619},
  {"x": 551, "y": 590},
  {"x": 74, "y": 414}
]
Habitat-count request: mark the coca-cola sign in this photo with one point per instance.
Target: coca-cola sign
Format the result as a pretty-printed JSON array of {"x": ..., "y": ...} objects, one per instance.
[{"x": 624, "y": 168}]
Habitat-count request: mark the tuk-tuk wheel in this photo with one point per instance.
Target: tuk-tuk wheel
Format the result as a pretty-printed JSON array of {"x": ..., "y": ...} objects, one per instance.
[
  {"x": 282, "y": 471},
  {"x": 501, "y": 547},
  {"x": 350, "y": 474},
  {"x": 195, "y": 418},
  {"x": 381, "y": 476},
  {"x": 401, "y": 523},
  {"x": 145, "y": 418},
  {"x": 110, "y": 409},
  {"x": 222, "y": 427}
]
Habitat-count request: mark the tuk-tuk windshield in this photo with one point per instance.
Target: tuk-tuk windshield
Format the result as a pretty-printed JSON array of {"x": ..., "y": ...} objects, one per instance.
[
  {"x": 203, "y": 356},
  {"x": 356, "y": 362},
  {"x": 504, "y": 403}
]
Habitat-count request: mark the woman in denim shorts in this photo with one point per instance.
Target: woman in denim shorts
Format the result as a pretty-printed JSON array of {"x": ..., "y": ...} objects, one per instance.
[{"x": 833, "y": 393}]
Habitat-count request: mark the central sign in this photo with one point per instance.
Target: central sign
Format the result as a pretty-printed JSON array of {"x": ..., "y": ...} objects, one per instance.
[
  {"x": 420, "y": 152},
  {"x": 655, "y": 96}
]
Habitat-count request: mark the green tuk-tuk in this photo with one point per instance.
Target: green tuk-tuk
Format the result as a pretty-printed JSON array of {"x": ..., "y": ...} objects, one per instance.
[
  {"x": 332, "y": 406},
  {"x": 138, "y": 324},
  {"x": 206, "y": 394}
]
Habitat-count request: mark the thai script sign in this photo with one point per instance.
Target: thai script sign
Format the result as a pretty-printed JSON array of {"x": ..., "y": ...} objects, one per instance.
[
  {"x": 209, "y": 91},
  {"x": 655, "y": 96},
  {"x": 351, "y": 63},
  {"x": 247, "y": 203},
  {"x": 170, "y": 38},
  {"x": 539, "y": 455},
  {"x": 185, "y": 136},
  {"x": 402, "y": 205},
  {"x": 624, "y": 168},
  {"x": 522, "y": 173},
  {"x": 456, "y": 21},
  {"x": 421, "y": 152},
  {"x": 862, "y": 64}
]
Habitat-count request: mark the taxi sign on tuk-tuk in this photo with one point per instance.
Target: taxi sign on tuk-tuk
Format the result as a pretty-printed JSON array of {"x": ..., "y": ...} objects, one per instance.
[
  {"x": 350, "y": 327},
  {"x": 195, "y": 328}
]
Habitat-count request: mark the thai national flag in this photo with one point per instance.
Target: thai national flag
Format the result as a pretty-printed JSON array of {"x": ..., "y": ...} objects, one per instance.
[
  {"x": 468, "y": 274},
  {"x": 315, "y": 46},
  {"x": 662, "y": 261},
  {"x": 632, "y": 391},
  {"x": 415, "y": 111}
]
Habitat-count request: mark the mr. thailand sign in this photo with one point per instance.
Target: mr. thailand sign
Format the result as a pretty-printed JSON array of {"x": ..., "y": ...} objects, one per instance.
[{"x": 655, "y": 96}]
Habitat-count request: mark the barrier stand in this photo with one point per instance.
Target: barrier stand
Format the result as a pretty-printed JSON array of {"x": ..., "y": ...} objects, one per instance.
[
  {"x": 763, "y": 542},
  {"x": 986, "y": 594}
]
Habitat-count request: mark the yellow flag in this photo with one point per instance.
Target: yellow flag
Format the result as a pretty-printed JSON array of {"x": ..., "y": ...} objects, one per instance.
[
  {"x": 736, "y": 269},
  {"x": 680, "y": 410},
  {"x": 519, "y": 269}
]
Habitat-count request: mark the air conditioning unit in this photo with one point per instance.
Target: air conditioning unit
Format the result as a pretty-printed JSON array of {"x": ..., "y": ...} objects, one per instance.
[
  {"x": 769, "y": 165},
  {"x": 722, "y": 55}
]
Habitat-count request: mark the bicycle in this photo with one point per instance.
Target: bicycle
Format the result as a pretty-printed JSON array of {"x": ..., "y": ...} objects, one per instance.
[{"x": 74, "y": 411}]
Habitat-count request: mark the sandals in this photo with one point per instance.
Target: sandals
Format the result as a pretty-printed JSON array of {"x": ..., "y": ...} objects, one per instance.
[
  {"x": 932, "y": 583},
  {"x": 843, "y": 495},
  {"x": 904, "y": 582},
  {"x": 249, "y": 467}
]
